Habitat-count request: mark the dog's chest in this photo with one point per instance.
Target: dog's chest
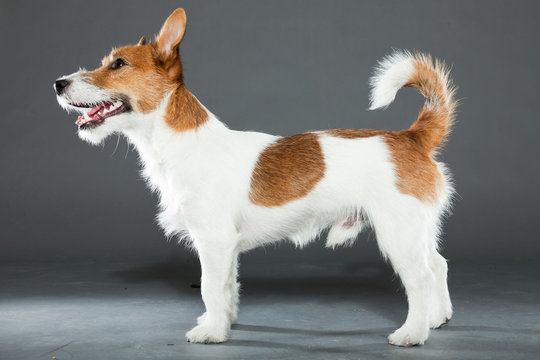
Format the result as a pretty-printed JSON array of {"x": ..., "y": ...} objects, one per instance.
[{"x": 172, "y": 196}]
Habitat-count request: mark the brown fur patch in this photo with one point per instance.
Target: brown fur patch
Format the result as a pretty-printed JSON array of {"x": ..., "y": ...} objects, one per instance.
[
  {"x": 150, "y": 73},
  {"x": 287, "y": 170},
  {"x": 354, "y": 133},
  {"x": 435, "y": 120},
  {"x": 143, "y": 80},
  {"x": 417, "y": 173},
  {"x": 146, "y": 79},
  {"x": 184, "y": 112}
]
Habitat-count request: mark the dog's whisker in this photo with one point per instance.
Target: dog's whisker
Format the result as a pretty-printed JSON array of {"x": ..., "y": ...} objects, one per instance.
[
  {"x": 116, "y": 146},
  {"x": 127, "y": 149}
]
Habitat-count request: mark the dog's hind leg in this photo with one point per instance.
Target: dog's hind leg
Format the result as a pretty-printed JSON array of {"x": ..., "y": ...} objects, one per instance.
[
  {"x": 441, "y": 306},
  {"x": 233, "y": 291},
  {"x": 403, "y": 238}
]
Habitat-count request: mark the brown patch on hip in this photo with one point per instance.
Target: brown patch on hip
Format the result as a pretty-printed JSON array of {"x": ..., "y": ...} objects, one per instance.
[
  {"x": 287, "y": 170},
  {"x": 416, "y": 172}
]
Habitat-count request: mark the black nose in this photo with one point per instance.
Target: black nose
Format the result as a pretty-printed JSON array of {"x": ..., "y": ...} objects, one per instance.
[{"x": 60, "y": 85}]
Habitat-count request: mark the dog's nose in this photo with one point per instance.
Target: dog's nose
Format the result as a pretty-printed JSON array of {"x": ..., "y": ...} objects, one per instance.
[{"x": 60, "y": 85}]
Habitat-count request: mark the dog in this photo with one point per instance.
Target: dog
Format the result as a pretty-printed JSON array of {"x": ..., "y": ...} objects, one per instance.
[{"x": 225, "y": 192}]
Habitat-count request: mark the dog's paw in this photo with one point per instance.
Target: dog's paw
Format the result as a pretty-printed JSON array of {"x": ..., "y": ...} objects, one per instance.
[
  {"x": 407, "y": 337},
  {"x": 440, "y": 324},
  {"x": 440, "y": 318},
  {"x": 206, "y": 333}
]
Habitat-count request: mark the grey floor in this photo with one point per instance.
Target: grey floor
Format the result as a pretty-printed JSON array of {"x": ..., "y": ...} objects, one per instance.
[{"x": 141, "y": 311}]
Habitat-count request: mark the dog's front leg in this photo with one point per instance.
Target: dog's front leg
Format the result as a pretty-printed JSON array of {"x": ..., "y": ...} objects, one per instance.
[{"x": 217, "y": 263}]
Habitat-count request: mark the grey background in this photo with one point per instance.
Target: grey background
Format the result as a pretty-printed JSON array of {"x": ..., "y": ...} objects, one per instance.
[
  {"x": 275, "y": 66},
  {"x": 85, "y": 272}
]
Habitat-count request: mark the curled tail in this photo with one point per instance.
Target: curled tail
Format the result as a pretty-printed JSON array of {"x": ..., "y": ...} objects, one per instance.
[{"x": 417, "y": 70}]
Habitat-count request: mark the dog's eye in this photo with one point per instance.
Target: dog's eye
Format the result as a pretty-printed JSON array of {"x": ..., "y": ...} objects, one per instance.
[{"x": 117, "y": 64}]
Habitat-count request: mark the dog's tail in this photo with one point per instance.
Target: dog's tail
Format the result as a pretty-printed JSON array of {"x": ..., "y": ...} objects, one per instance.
[{"x": 417, "y": 70}]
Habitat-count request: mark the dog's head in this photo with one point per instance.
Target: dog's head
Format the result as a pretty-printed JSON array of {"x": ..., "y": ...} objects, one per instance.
[{"x": 131, "y": 81}]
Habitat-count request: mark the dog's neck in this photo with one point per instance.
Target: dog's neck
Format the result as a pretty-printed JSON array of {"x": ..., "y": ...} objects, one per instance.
[{"x": 180, "y": 130}]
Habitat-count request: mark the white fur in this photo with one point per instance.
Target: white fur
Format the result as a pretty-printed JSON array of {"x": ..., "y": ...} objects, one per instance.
[
  {"x": 390, "y": 74},
  {"x": 203, "y": 179},
  {"x": 81, "y": 91}
]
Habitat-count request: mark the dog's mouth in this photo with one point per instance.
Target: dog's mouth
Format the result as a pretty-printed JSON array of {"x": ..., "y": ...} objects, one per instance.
[{"x": 97, "y": 114}]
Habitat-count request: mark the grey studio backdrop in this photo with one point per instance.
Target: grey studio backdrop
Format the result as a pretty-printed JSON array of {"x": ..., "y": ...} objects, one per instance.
[{"x": 281, "y": 67}]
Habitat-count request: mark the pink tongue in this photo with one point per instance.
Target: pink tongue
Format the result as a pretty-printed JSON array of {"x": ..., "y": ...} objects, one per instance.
[
  {"x": 93, "y": 113},
  {"x": 95, "y": 110}
]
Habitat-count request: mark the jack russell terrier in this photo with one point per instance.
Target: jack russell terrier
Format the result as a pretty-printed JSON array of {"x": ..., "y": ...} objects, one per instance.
[{"x": 224, "y": 191}]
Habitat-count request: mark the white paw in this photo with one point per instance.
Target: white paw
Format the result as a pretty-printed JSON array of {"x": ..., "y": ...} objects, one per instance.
[
  {"x": 439, "y": 321},
  {"x": 440, "y": 318},
  {"x": 207, "y": 333},
  {"x": 408, "y": 337}
]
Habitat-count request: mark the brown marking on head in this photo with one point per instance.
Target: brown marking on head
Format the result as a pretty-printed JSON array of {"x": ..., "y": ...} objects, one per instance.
[
  {"x": 416, "y": 172},
  {"x": 141, "y": 80},
  {"x": 150, "y": 72},
  {"x": 287, "y": 170},
  {"x": 167, "y": 42}
]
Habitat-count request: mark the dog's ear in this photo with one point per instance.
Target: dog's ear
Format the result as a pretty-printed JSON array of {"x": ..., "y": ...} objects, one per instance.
[
  {"x": 171, "y": 33},
  {"x": 142, "y": 41}
]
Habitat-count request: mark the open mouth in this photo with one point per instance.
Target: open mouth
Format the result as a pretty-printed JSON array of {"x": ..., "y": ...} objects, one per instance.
[{"x": 98, "y": 113}]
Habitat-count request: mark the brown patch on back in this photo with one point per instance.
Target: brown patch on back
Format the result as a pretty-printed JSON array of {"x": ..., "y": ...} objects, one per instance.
[
  {"x": 184, "y": 112},
  {"x": 354, "y": 133},
  {"x": 287, "y": 170},
  {"x": 416, "y": 172}
]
